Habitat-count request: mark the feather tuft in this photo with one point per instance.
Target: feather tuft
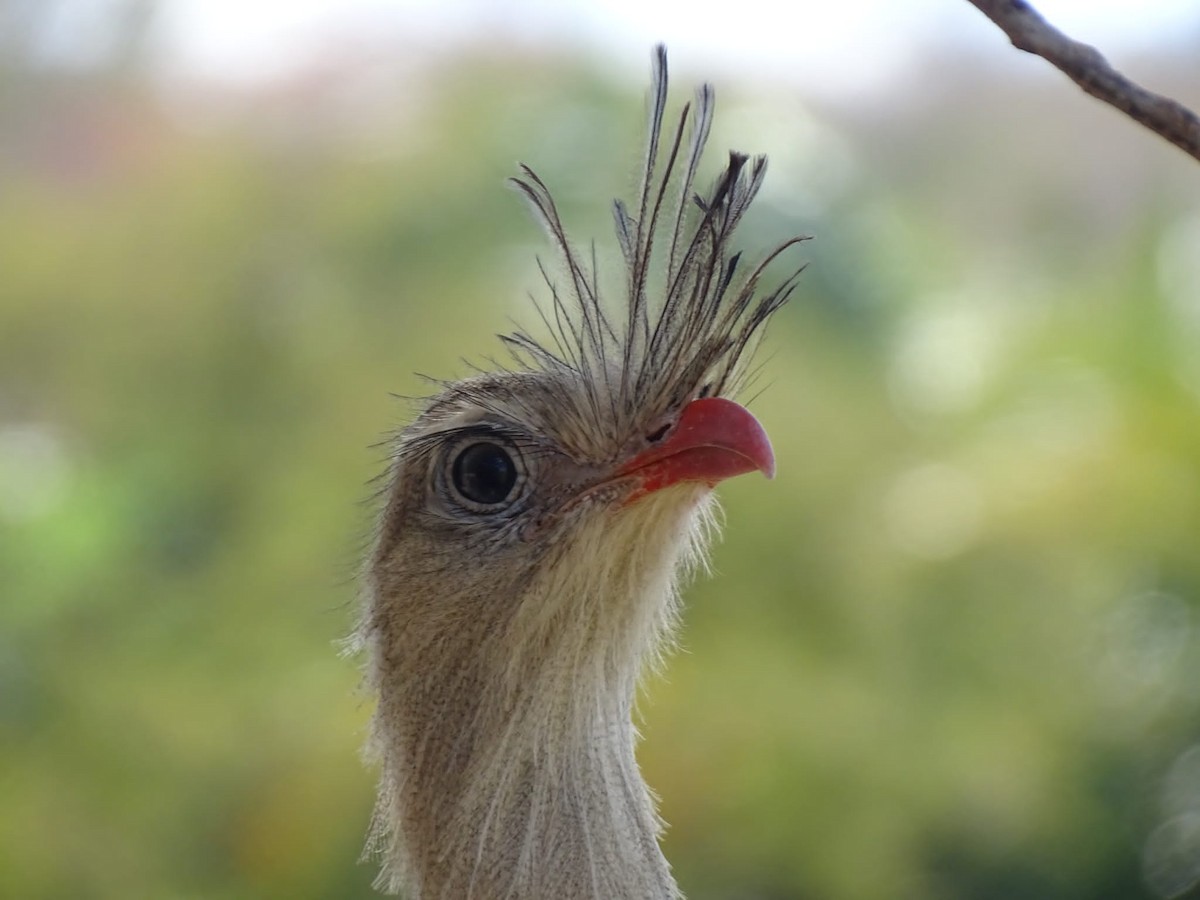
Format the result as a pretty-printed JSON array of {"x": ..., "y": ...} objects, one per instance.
[{"x": 692, "y": 312}]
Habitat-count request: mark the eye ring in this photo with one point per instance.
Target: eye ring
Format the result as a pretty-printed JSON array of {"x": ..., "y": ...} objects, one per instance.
[{"x": 485, "y": 474}]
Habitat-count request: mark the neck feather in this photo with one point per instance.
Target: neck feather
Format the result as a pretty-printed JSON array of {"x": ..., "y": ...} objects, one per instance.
[{"x": 507, "y": 742}]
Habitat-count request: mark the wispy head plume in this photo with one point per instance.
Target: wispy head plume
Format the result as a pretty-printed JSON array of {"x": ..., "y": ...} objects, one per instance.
[{"x": 692, "y": 311}]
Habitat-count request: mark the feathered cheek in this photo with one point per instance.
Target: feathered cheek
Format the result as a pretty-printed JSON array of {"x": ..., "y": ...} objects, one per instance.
[{"x": 571, "y": 507}]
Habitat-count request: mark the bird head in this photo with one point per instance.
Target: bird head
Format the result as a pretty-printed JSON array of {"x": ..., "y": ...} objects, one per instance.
[{"x": 535, "y": 518}]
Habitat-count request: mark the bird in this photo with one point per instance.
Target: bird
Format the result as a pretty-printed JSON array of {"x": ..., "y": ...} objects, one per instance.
[{"x": 535, "y": 523}]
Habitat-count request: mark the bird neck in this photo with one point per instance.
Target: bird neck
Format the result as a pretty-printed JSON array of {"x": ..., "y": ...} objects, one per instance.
[
  {"x": 505, "y": 727},
  {"x": 537, "y": 796}
]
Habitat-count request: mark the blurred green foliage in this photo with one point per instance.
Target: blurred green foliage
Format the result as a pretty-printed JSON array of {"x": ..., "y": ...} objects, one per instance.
[{"x": 950, "y": 653}]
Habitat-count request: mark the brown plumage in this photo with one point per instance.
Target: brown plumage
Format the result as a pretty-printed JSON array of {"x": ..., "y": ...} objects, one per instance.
[{"x": 534, "y": 525}]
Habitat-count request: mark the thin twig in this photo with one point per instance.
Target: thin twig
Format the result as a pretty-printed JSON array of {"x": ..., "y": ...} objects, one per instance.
[{"x": 1085, "y": 66}]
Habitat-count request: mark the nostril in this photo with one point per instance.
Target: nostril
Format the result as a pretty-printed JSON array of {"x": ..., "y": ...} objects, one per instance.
[{"x": 658, "y": 434}]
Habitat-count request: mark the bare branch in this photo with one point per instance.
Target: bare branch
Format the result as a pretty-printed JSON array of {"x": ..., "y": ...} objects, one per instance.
[{"x": 1085, "y": 66}]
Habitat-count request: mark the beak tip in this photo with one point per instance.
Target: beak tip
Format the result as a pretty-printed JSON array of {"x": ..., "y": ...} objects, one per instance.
[{"x": 767, "y": 466}]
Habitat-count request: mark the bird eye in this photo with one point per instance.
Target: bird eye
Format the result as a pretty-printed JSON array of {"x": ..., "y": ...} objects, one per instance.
[{"x": 484, "y": 473}]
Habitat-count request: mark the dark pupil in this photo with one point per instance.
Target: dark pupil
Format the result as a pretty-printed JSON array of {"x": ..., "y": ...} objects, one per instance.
[{"x": 484, "y": 473}]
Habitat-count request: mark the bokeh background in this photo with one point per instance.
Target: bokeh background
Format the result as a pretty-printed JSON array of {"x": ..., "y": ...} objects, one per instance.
[{"x": 952, "y": 651}]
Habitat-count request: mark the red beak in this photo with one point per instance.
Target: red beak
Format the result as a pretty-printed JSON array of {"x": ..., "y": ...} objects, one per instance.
[{"x": 714, "y": 439}]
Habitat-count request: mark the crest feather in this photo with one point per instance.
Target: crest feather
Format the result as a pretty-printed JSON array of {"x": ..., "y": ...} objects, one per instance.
[{"x": 692, "y": 311}]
